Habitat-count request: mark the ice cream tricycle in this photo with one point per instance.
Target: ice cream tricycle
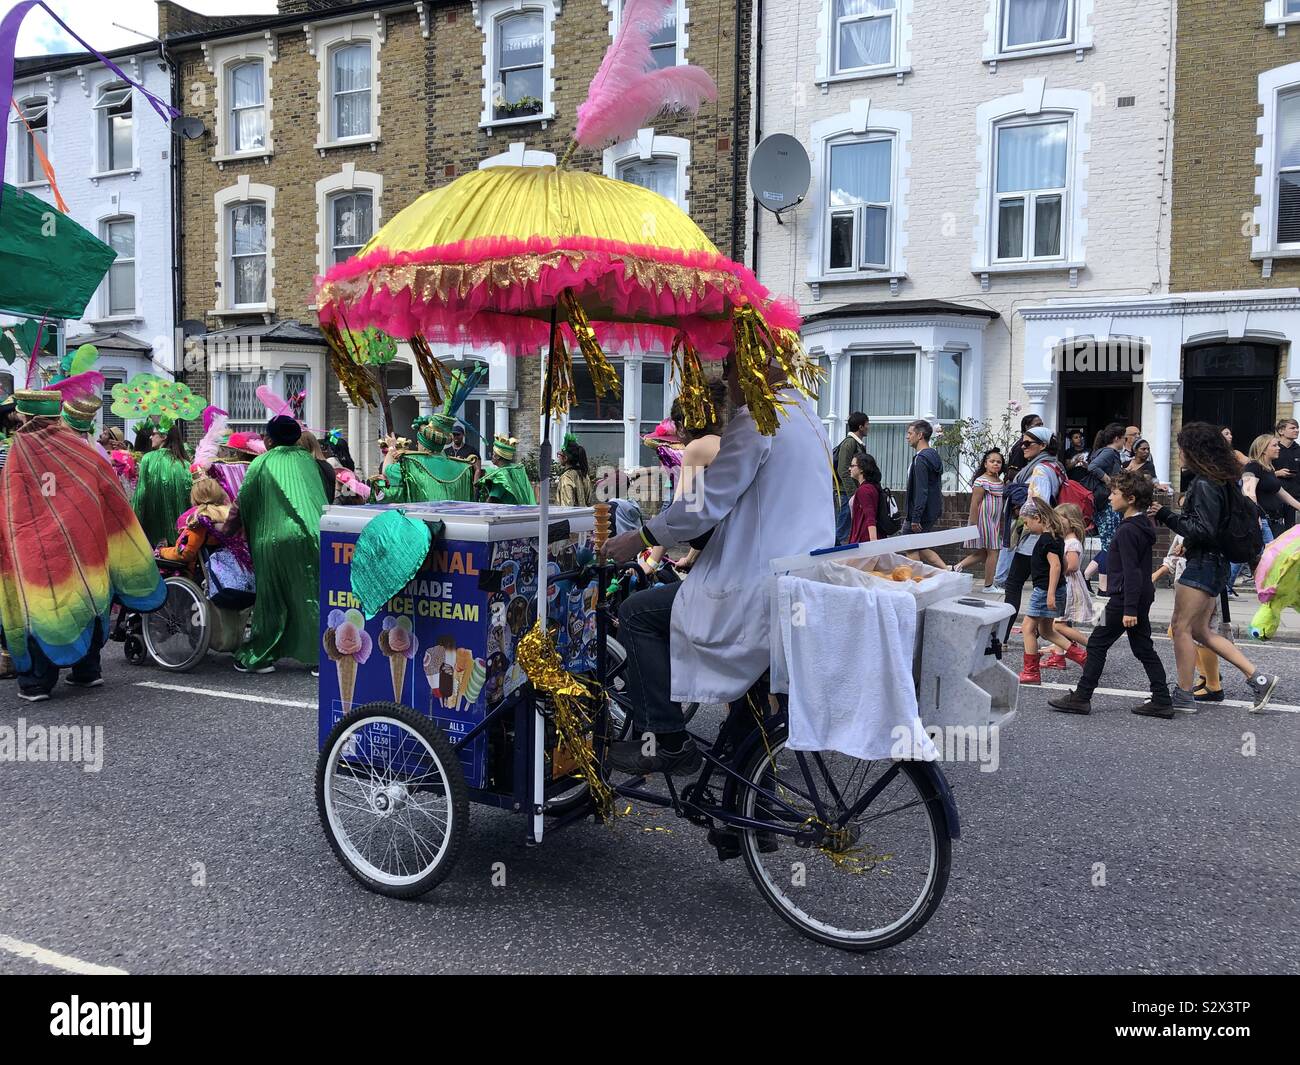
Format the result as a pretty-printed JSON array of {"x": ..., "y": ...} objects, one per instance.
[{"x": 428, "y": 706}]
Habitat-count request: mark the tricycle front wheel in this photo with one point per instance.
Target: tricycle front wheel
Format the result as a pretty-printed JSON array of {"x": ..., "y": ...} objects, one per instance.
[{"x": 392, "y": 799}]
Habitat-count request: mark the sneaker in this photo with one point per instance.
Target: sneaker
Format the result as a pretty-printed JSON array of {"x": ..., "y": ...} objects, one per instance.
[
  {"x": 1055, "y": 660},
  {"x": 626, "y": 756},
  {"x": 34, "y": 697},
  {"x": 315, "y": 672},
  {"x": 1261, "y": 686},
  {"x": 241, "y": 668},
  {"x": 994, "y": 589},
  {"x": 1156, "y": 707},
  {"x": 1070, "y": 703},
  {"x": 94, "y": 682},
  {"x": 1183, "y": 700},
  {"x": 1202, "y": 694}
]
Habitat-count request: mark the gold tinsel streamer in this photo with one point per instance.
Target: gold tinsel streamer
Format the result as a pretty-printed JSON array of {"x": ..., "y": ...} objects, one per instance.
[
  {"x": 692, "y": 388},
  {"x": 431, "y": 369},
  {"x": 757, "y": 346},
  {"x": 570, "y": 696},
  {"x": 356, "y": 382},
  {"x": 604, "y": 378},
  {"x": 560, "y": 368}
]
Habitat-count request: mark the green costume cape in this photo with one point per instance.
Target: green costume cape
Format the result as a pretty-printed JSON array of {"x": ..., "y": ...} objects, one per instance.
[
  {"x": 508, "y": 483},
  {"x": 418, "y": 477},
  {"x": 162, "y": 494},
  {"x": 280, "y": 503}
]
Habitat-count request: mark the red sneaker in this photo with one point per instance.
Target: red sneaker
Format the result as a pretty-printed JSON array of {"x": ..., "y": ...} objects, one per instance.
[
  {"x": 1055, "y": 660},
  {"x": 1076, "y": 654}
]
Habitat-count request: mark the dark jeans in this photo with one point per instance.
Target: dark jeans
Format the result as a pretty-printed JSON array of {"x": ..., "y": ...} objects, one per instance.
[
  {"x": 1016, "y": 577},
  {"x": 644, "y": 622},
  {"x": 1139, "y": 642},
  {"x": 843, "y": 522},
  {"x": 44, "y": 674}
]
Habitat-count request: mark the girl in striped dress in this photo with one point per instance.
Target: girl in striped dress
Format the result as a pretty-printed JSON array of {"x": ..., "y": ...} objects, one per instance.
[{"x": 986, "y": 514}]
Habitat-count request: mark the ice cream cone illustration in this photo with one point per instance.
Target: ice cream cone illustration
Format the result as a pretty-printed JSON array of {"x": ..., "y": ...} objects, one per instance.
[
  {"x": 399, "y": 644},
  {"x": 348, "y": 646},
  {"x": 446, "y": 681},
  {"x": 477, "y": 675}
]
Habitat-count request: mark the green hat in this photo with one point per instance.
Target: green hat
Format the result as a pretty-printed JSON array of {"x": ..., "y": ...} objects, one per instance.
[
  {"x": 80, "y": 413},
  {"x": 38, "y": 403},
  {"x": 504, "y": 447},
  {"x": 434, "y": 430}
]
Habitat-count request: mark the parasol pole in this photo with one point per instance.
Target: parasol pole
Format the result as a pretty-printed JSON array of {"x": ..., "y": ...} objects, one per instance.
[{"x": 544, "y": 472}]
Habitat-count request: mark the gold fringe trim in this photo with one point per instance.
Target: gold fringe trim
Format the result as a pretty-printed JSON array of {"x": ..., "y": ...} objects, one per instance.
[
  {"x": 570, "y": 696},
  {"x": 604, "y": 378},
  {"x": 560, "y": 369},
  {"x": 354, "y": 378},
  {"x": 432, "y": 372},
  {"x": 757, "y": 347},
  {"x": 692, "y": 386}
]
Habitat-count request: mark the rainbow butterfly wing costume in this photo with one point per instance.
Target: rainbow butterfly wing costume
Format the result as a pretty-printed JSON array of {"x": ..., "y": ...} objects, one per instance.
[{"x": 69, "y": 544}]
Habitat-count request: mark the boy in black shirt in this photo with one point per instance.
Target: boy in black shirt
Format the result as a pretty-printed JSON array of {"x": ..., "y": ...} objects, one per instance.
[{"x": 1128, "y": 610}]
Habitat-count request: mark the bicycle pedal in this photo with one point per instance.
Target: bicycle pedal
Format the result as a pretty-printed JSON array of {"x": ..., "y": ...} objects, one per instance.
[{"x": 727, "y": 843}]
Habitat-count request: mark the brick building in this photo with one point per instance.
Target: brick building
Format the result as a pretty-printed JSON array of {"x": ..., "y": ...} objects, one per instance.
[
  {"x": 328, "y": 118},
  {"x": 990, "y": 190}
]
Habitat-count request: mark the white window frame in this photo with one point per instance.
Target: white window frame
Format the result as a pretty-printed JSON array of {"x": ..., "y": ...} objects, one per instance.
[
  {"x": 615, "y": 9},
  {"x": 274, "y": 364},
  {"x": 1275, "y": 14},
  {"x": 861, "y": 122},
  {"x": 828, "y": 48},
  {"x": 1078, "y": 39},
  {"x": 838, "y": 22},
  {"x": 105, "y": 417},
  {"x": 858, "y": 211},
  {"x": 220, "y": 59},
  {"x": 323, "y": 40},
  {"x": 1030, "y": 197},
  {"x": 243, "y": 191},
  {"x": 107, "y": 314},
  {"x": 103, "y": 131},
  {"x": 519, "y": 154},
  {"x": 487, "y": 17},
  {"x": 1273, "y": 84},
  {"x": 348, "y": 179},
  {"x": 1034, "y": 101},
  {"x": 646, "y": 146},
  {"x": 25, "y": 159},
  {"x": 631, "y": 361}
]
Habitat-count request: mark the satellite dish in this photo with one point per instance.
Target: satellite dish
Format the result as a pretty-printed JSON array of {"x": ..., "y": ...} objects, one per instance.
[
  {"x": 189, "y": 127},
  {"x": 779, "y": 173},
  {"x": 193, "y": 327}
]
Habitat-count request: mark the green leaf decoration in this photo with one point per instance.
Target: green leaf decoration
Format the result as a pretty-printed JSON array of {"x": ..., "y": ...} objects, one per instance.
[
  {"x": 389, "y": 552},
  {"x": 7, "y": 348},
  {"x": 147, "y": 395},
  {"x": 373, "y": 347}
]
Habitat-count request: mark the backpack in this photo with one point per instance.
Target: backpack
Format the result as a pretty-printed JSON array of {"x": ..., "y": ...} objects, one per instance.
[
  {"x": 888, "y": 519},
  {"x": 1099, "y": 488},
  {"x": 1240, "y": 538},
  {"x": 1078, "y": 493}
]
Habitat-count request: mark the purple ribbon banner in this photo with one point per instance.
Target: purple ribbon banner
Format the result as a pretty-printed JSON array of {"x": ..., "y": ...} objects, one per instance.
[{"x": 9, "y": 44}]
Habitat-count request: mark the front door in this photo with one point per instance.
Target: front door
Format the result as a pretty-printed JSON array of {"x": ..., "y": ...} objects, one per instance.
[
  {"x": 1090, "y": 401},
  {"x": 1233, "y": 385}
]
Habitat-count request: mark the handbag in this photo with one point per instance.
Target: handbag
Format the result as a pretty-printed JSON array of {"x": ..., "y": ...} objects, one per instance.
[{"x": 231, "y": 584}]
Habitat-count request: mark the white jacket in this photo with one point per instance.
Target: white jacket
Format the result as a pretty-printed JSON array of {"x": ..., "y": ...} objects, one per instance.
[{"x": 765, "y": 497}]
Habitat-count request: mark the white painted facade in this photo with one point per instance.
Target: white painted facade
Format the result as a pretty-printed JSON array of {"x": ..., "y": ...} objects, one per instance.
[
  {"x": 941, "y": 86},
  {"x": 138, "y": 190}
]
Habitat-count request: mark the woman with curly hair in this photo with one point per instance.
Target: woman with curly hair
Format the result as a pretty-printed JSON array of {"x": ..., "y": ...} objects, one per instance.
[{"x": 1201, "y": 523}]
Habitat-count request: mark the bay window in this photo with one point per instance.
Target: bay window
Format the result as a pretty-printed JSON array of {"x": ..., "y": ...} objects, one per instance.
[
  {"x": 883, "y": 386},
  {"x": 610, "y": 429},
  {"x": 1030, "y": 195},
  {"x": 115, "y": 122},
  {"x": 1036, "y": 23},
  {"x": 247, "y": 106},
  {"x": 350, "y": 89},
  {"x": 859, "y": 204},
  {"x": 864, "y": 34},
  {"x": 35, "y": 112},
  {"x": 247, "y": 276},
  {"x": 1287, "y": 232}
]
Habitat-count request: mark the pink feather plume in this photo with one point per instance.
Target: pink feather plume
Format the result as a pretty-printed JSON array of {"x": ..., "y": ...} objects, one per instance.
[
  {"x": 210, "y": 412},
  {"x": 90, "y": 383},
  {"x": 274, "y": 403},
  {"x": 205, "y": 452},
  {"x": 628, "y": 91}
]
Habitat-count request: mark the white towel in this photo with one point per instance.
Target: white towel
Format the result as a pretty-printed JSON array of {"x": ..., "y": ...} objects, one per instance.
[{"x": 848, "y": 651}]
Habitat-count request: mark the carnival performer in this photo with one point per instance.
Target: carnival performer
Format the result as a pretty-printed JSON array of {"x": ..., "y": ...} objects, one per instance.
[
  {"x": 428, "y": 474},
  {"x": 707, "y": 639},
  {"x": 311, "y": 445},
  {"x": 574, "y": 487},
  {"x": 65, "y": 555},
  {"x": 162, "y": 488},
  {"x": 79, "y": 414},
  {"x": 508, "y": 481},
  {"x": 279, "y": 509}
]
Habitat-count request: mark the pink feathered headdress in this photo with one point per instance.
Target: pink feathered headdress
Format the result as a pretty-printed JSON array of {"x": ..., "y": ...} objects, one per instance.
[{"x": 352, "y": 483}]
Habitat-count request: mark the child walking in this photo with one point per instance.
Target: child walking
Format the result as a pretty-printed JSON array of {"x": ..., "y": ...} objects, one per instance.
[
  {"x": 1047, "y": 571},
  {"x": 1078, "y": 600},
  {"x": 1128, "y": 610}
]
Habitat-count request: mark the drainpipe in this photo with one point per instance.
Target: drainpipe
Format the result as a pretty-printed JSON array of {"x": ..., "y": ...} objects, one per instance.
[
  {"x": 758, "y": 122},
  {"x": 174, "y": 158},
  {"x": 736, "y": 218}
]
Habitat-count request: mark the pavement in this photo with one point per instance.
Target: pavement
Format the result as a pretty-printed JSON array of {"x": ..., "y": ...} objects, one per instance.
[{"x": 1109, "y": 843}]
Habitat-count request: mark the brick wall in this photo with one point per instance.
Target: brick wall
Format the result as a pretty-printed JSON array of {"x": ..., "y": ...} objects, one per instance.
[{"x": 1223, "y": 47}]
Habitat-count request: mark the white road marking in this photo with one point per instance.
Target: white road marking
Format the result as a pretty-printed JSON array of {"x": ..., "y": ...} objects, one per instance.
[
  {"x": 66, "y": 962},
  {"x": 1142, "y": 695},
  {"x": 217, "y": 694}
]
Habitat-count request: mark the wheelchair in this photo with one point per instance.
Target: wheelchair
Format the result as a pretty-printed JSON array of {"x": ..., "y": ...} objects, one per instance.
[{"x": 189, "y": 623}]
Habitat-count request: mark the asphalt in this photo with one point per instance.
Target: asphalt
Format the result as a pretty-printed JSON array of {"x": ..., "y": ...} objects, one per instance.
[{"x": 197, "y": 849}]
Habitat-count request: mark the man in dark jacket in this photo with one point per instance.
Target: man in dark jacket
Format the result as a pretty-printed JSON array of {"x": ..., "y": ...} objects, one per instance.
[
  {"x": 1128, "y": 610},
  {"x": 924, "y": 489},
  {"x": 852, "y": 445}
]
